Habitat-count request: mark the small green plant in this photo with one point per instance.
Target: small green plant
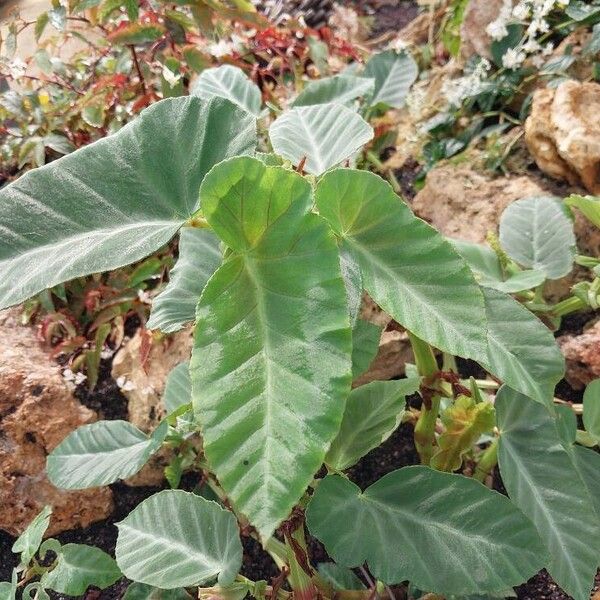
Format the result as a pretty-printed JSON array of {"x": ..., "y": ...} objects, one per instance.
[
  {"x": 536, "y": 244},
  {"x": 48, "y": 565},
  {"x": 275, "y": 251}
]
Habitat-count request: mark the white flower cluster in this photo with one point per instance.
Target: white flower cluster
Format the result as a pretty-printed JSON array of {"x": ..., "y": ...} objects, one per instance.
[
  {"x": 76, "y": 378},
  {"x": 457, "y": 90},
  {"x": 532, "y": 15}
]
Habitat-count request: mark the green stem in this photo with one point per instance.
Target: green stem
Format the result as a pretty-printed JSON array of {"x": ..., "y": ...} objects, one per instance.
[
  {"x": 425, "y": 426},
  {"x": 568, "y": 306},
  {"x": 487, "y": 462}
]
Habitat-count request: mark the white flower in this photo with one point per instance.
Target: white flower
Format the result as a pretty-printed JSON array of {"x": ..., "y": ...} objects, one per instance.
[
  {"x": 17, "y": 68},
  {"x": 76, "y": 378},
  {"x": 220, "y": 48},
  {"x": 513, "y": 58},
  {"x": 548, "y": 49},
  {"x": 398, "y": 44},
  {"x": 171, "y": 78},
  {"x": 144, "y": 297},
  {"x": 68, "y": 375},
  {"x": 106, "y": 353},
  {"x": 531, "y": 46},
  {"x": 125, "y": 384},
  {"x": 497, "y": 29},
  {"x": 521, "y": 11}
]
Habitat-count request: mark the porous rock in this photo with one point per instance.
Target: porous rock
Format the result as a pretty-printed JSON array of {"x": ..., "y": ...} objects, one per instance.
[
  {"x": 394, "y": 346},
  {"x": 37, "y": 411},
  {"x": 582, "y": 353},
  {"x": 563, "y": 133},
  {"x": 474, "y": 37}
]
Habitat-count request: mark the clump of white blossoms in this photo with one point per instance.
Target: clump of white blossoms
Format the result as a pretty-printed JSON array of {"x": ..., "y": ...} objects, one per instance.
[
  {"x": 532, "y": 14},
  {"x": 471, "y": 84}
]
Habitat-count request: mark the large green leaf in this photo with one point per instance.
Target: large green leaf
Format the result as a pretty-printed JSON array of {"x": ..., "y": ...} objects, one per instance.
[
  {"x": 141, "y": 591},
  {"x": 199, "y": 258},
  {"x": 394, "y": 73},
  {"x": 588, "y": 205},
  {"x": 117, "y": 200},
  {"x": 178, "y": 388},
  {"x": 323, "y": 136},
  {"x": 373, "y": 412},
  {"x": 78, "y": 567},
  {"x": 339, "y": 88},
  {"x": 522, "y": 351},
  {"x": 542, "y": 479},
  {"x": 29, "y": 541},
  {"x": 365, "y": 344},
  {"x": 591, "y": 409},
  {"x": 408, "y": 268},
  {"x": 271, "y": 362},
  {"x": 443, "y": 532},
  {"x": 340, "y": 577},
  {"x": 176, "y": 539},
  {"x": 231, "y": 83},
  {"x": 537, "y": 233},
  {"x": 101, "y": 453}
]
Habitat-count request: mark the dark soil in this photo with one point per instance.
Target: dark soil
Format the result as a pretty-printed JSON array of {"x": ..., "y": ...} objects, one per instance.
[{"x": 390, "y": 15}]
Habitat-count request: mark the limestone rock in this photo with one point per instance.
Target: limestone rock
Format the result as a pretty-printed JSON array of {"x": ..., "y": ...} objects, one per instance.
[
  {"x": 465, "y": 204},
  {"x": 563, "y": 133},
  {"x": 478, "y": 15},
  {"x": 394, "y": 347},
  {"x": 37, "y": 411},
  {"x": 539, "y": 136},
  {"x": 143, "y": 381},
  {"x": 582, "y": 353}
]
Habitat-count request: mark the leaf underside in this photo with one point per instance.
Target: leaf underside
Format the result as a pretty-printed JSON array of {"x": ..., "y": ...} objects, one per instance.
[
  {"x": 323, "y": 135},
  {"x": 117, "y": 200},
  {"x": 199, "y": 258},
  {"x": 177, "y": 539}
]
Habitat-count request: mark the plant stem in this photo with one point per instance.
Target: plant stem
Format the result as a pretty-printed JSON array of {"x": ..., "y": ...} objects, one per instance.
[
  {"x": 568, "y": 306},
  {"x": 487, "y": 462},
  {"x": 425, "y": 426}
]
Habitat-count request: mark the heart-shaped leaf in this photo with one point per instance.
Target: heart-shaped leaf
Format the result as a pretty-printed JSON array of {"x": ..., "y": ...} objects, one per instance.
[
  {"x": 231, "y": 83},
  {"x": 537, "y": 233},
  {"x": 339, "y": 88},
  {"x": 176, "y": 539},
  {"x": 407, "y": 267},
  {"x": 393, "y": 73},
  {"x": 272, "y": 319},
  {"x": 401, "y": 523},
  {"x": 373, "y": 412},
  {"x": 199, "y": 258},
  {"x": 78, "y": 567},
  {"x": 101, "y": 453},
  {"x": 117, "y": 200},
  {"x": 322, "y": 136},
  {"x": 542, "y": 479}
]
